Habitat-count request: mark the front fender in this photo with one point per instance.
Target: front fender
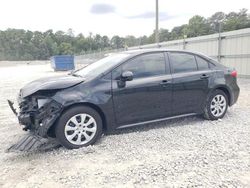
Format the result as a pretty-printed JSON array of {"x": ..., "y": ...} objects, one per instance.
[{"x": 97, "y": 94}]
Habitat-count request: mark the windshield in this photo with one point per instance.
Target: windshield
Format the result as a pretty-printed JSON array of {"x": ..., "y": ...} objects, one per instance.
[{"x": 100, "y": 66}]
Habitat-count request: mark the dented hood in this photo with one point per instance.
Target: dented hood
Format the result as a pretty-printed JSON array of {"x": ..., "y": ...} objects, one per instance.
[{"x": 50, "y": 83}]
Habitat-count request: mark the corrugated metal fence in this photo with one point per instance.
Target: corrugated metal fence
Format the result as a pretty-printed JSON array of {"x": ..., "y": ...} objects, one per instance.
[{"x": 230, "y": 48}]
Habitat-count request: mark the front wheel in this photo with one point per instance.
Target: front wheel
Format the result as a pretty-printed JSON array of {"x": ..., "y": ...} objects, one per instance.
[
  {"x": 216, "y": 105},
  {"x": 78, "y": 127}
]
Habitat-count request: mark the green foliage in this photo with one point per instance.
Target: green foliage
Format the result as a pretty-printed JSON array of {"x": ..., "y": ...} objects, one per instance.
[
  {"x": 235, "y": 20},
  {"x": 178, "y": 32},
  {"x": 117, "y": 42},
  {"x": 18, "y": 44},
  {"x": 131, "y": 40},
  {"x": 197, "y": 26},
  {"x": 164, "y": 35},
  {"x": 65, "y": 49},
  {"x": 215, "y": 20}
]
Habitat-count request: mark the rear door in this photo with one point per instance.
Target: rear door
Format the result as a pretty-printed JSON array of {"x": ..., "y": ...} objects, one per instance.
[
  {"x": 148, "y": 96},
  {"x": 190, "y": 82}
]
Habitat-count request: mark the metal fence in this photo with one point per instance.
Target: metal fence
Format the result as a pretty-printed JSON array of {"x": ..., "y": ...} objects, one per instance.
[{"x": 229, "y": 48}]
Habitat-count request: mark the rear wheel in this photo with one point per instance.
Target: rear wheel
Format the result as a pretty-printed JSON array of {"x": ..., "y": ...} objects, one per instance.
[
  {"x": 78, "y": 127},
  {"x": 216, "y": 105}
]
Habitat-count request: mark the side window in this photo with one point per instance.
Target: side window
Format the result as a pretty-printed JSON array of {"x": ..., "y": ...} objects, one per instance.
[
  {"x": 116, "y": 73},
  {"x": 202, "y": 63},
  {"x": 144, "y": 66},
  {"x": 107, "y": 76},
  {"x": 182, "y": 62}
]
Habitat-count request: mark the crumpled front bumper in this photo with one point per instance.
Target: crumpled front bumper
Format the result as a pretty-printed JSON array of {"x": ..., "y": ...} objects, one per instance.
[
  {"x": 45, "y": 118},
  {"x": 11, "y": 104},
  {"x": 39, "y": 121},
  {"x": 31, "y": 143}
]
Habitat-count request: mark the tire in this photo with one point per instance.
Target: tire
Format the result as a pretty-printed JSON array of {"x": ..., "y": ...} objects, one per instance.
[
  {"x": 211, "y": 107},
  {"x": 79, "y": 126}
]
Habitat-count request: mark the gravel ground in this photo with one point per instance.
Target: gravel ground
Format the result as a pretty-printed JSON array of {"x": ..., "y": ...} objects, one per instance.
[{"x": 177, "y": 153}]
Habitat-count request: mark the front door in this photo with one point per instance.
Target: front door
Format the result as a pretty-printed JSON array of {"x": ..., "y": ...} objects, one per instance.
[{"x": 148, "y": 96}]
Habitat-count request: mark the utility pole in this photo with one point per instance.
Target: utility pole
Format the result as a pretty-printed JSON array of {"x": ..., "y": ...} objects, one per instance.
[
  {"x": 219, "y": 43},
  {"x": 156, "y": 23}
]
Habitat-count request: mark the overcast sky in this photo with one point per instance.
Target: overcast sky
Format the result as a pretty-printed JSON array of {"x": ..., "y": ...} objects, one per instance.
[{"x": 107, "y": 17}]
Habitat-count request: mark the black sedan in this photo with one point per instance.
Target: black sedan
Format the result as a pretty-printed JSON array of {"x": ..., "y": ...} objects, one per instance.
[{"x": 126, "y": 89}]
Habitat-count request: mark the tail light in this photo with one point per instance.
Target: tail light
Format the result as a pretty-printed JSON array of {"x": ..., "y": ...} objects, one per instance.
[{"x": 234, "y": 73}]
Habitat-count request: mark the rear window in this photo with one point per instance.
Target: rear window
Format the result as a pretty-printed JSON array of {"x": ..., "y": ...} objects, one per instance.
[
  {"x": 202, "y": 63},
  {"x": 182, "y": 62}
]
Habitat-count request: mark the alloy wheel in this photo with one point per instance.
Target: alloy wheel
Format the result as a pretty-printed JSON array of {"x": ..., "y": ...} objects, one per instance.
[
  {"x": 80, "y": 129},
  {"x": 218, "y": 105}
]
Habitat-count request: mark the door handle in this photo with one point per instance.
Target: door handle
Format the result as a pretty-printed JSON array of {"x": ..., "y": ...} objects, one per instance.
[
  {"x": 204, "y": 76},
  {"x": 163, "y": 82}
]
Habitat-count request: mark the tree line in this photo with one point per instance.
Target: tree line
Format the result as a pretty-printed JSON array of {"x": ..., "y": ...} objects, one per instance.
[{"x": 19, "y": 44}]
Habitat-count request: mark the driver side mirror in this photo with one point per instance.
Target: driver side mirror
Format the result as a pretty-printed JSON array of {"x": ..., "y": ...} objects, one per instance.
[{"x": 127, "y": 76}]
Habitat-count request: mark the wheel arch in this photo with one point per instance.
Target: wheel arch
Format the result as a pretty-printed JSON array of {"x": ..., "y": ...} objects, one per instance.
[
  {"x": 226, "y": 91},
  {"x": 51, "y": 130}
]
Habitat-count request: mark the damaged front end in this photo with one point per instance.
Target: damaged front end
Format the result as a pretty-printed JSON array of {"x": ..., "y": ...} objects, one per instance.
[{"x": 37, "y": 113}]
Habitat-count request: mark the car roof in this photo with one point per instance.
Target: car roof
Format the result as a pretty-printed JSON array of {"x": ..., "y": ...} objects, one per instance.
[{"x": 141, "y": 51}]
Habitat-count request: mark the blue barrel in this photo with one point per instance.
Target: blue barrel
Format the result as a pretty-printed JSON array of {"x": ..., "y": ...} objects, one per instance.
[{"x": 62, "y": 62}]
